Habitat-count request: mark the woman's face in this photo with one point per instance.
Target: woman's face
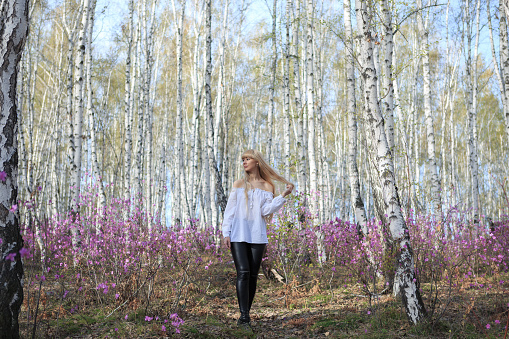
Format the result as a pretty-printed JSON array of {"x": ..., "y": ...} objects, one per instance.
[{"x": 249, "y": 164}]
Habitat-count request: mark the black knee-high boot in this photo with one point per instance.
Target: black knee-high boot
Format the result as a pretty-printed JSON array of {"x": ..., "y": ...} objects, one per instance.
[
  {"x": 243, "y": 295},
  {"x": 253, "y": 278}
]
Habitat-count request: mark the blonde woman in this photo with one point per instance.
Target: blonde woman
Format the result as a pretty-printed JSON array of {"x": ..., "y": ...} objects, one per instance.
[{"x": 250, "y": 205}]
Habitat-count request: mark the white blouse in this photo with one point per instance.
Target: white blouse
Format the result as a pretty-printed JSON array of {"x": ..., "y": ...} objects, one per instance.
[{"x": 244, "y": 222}]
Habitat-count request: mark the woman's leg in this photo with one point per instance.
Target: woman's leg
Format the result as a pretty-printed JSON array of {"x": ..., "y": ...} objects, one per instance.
[
  {"x": 255, "y": 260},
  {"x": 241, "y": 255}
]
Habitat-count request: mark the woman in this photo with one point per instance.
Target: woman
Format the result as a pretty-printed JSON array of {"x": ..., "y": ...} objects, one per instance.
[{"x": 250, "y": 206}]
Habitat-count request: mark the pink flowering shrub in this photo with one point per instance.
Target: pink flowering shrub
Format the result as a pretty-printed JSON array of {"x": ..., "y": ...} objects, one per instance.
[{"x": 114, "y": 262}]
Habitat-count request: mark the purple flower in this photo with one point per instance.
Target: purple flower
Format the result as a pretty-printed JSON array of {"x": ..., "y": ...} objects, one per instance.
[
  {"x": 24, "y": 252},
  {"x": 14, "y": 208},
  {"x": 3, "y": 176},
  {"x": 497, "y": 321},
  {"x": 163, "y": 328},
  {"x": 10, "y": 256},
  {"x": 147, "y": 318},
  {"x": 488, "y": 326}
]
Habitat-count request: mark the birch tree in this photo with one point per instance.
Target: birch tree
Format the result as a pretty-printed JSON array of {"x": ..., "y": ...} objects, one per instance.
[
  {"x": 355, "y": 189},
  {"x": 13, "y": 34},
  {"x": 90, "y": 108},
  {"x": 272, "y": 88},
  {"x": 78, "y": 106},
  {"x": 471, "y": 97},
  {"x": 181, "y": 173},
  {"x": 216, "y": 187},
  {"x": 310, "y": 96},
  {"x": 405, "y": 279},
  {"x": 286, "y": 89},
  {"x": 502, "y": 64},
  {"x": 299, "y": 109},
  {"x": 430, "y": 134}
]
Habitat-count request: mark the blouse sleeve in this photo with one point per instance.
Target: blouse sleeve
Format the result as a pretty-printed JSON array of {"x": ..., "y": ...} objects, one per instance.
[
  {"x": 229, "y": 213},
  {"x": 270, "y": 205}
]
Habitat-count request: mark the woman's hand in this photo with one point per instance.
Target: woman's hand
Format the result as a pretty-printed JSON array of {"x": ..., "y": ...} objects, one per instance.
[
  {"x": 289, "y": 189},
  {"x": 226, "y": 241}
]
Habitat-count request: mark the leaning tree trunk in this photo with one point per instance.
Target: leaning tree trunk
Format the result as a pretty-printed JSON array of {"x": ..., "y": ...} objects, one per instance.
[
  {"x": 13, "y": 34},
  {"x": 405, "y": 280}
]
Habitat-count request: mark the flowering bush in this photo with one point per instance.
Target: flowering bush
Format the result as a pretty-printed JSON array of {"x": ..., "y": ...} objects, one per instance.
[{"x": 105, "y": 259}]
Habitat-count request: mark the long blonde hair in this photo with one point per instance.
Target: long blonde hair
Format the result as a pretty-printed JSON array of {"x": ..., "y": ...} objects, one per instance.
[{"x": 267, "y": 173}]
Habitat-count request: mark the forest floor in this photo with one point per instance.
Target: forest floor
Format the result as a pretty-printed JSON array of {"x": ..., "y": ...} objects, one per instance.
[{"x": 296, "y": 310}]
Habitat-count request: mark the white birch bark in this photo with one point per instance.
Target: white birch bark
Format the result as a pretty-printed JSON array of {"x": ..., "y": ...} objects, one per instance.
[
  {"x": 504, "y": 60},
  {"x": 310, "y": 96},
  {"x": 139, "y": 142},
  {"x": 472, "y": 112},
  {"x": 388, "y": 46},
  {"x": 299, "y": 109},
  {"x": 355, "y": 189},
  {"x": 405, "y": 280},
  {"x": 147, "y": 28},
  {"x": 286, "y": 90},
  {"x": 90, "y": 109},
  {"x": 272, "y": 87},
  {"x": 430, "y": 134},
  {"x": 181, "y": 176},
  {"x": 14, "y": 18},
  {"x": 77, "y": 117},
  {"x": 197, "y": 89},
  {"x": 501, "y": 65},
  {"x": 215, "y": 178},
  {"x": 128, "y": 112}
]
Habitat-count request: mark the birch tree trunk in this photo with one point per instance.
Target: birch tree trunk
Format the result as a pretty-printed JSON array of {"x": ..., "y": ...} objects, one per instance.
[
  {"x": 90, "y": 109},
  {"x": 504, "y": 61},
  {"x": 286, "y": 88},
  {"x": 13, "y": 34},
  {"x": 301, "y": 148},
  {"x": 128, "y": 115},
  {"x": 181, "y": 176},
  {"x": 502, "y": 67},
  {"x": 355, "y": 188},
  {"x": 310, "y": 96},
  {"x": 138, "y": 179},
  {"x": 197, "y": 86},
  {"x": 430, "y": 134},
  {"x": 472, "y": 114},
  {"x": 147, "y": 26},
  {"x": 405, "y": 279},
  {"x": 216, "y": 187},
  {"x": 388, "y": 46},
  {"x": 272, "y": 88},
  {"x": 77, "y": 116}
]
